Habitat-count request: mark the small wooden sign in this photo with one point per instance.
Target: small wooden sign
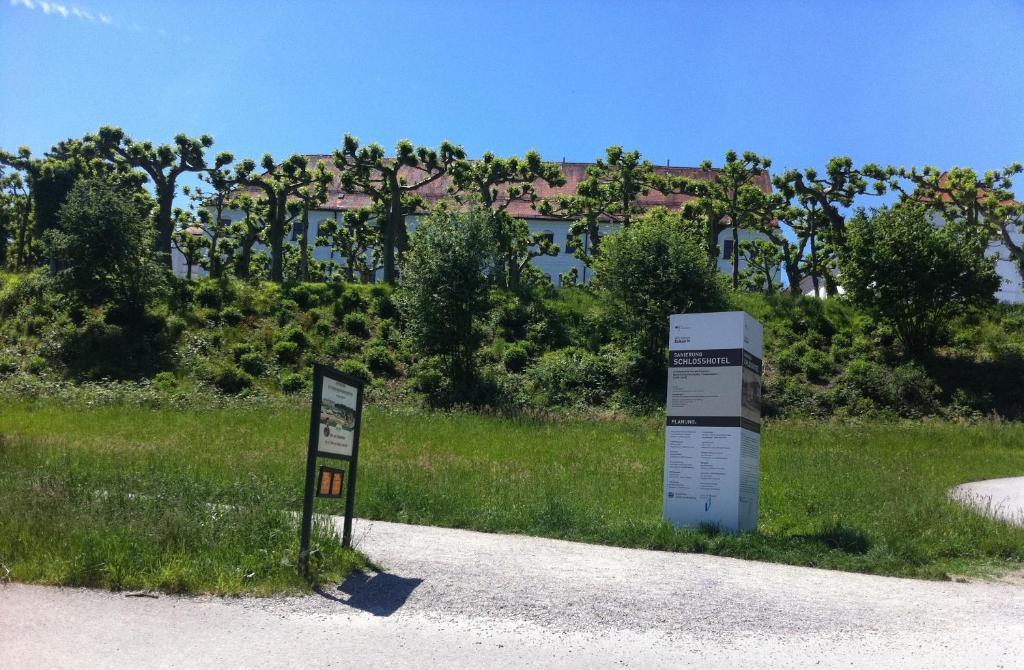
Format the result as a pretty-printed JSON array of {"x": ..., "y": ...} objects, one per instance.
[{"x": 332, "y": 481}]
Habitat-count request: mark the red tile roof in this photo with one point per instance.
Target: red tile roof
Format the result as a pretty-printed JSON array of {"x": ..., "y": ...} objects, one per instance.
[{"x": 574, "y": 173}]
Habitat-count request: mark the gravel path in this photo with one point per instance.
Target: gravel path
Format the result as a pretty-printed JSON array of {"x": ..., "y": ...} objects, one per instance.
[
  {"x": 1001, "y": 498},
  {"x": 460, "y": 599}
]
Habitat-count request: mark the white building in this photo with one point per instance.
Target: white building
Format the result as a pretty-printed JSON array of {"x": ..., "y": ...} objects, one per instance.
[{"x": 557, "y": 229}]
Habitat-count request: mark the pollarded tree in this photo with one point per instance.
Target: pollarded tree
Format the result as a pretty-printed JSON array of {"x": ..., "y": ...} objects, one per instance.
[
  {"x": 309, "y": 198},
  {"x": 610, "y": 192},
  {"x": 189, "y": 239},
  {"x": 354, "y": 239},
  {"x": 833, "y": 192},
  {"x": 244, "y": 234},
  {"x": 15, "y": 216},
  {"x": 914, "y": 275},
  {"x": 962, "y": 197},
  {"x": 497, "y": 183},
  {"x": 393, "y": 185},
  {"x": 280, "y": 184},
  {"x": 764, "y": 260},
  {"x": 208, "y": 206},
  {"x": 163, "y": 164},
  {"x": 732, "y": 199}
]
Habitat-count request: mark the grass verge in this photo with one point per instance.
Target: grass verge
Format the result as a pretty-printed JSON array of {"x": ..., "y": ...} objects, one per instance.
[{"x": 865, "y": 497}]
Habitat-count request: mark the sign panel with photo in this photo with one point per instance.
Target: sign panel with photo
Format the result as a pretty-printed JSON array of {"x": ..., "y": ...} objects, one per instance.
[{"x": 339, "y": 410}]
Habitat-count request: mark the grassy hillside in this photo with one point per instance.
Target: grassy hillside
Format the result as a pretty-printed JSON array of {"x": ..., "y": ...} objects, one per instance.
[{"x": 542, "y": 349}]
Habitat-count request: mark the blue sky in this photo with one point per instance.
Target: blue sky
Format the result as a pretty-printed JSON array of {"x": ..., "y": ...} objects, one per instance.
[{"x": 907, "y": 83}]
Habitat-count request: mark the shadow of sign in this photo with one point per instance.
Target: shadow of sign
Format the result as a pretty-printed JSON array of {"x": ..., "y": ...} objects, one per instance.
[{"x": 380, "y": 594}]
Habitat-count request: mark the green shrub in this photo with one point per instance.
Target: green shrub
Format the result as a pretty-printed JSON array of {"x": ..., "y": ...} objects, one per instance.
[
  {"x": 252, "y": 363},
  {"x": 381, "y": 361},
  {"x": 165, "y": 381},
  {"x": 357, "y": 324},
  {"x": 230, "y": 379},
  {"x": 231, "y": 315},
  {"x": 240, "y": 349},
  {"x": 175, "y": 327},
  {"x": 515, "y": 357},
  {"x": 351, "y": 300},
  {"x": 382, "y": 305},
  {"x": 292, "y": 382},
  {"x": 310, "y": 294},
  {"x": 208, "y": 294},
  {"x": 343, "y": 344},
  {"x": 36, "y": 365},
  {"x": 817, "y": 365},
  {"x": 295, "y": 335},
  {"x": 356, "y": 369},
  {"x": 8, "y": 365},
  {"x": 572, "y": 377},
  {"x": 287, "y": 353},
  {"x": 428, "y": 376}
]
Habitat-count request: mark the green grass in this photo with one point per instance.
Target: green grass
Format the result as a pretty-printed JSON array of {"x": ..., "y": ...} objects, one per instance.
[{"x": 118, "y": 496}]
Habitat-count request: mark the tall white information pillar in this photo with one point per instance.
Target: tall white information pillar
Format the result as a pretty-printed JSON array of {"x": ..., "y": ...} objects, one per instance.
[{"x": 713, "y": 432}]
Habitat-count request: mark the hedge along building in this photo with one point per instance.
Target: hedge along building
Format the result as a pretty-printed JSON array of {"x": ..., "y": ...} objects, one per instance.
[{"x": 555, "y": 229}]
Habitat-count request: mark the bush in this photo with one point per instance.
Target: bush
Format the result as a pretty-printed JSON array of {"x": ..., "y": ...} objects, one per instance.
[
  {"x": 208, "y": 294},
  {"x": 252, "y": 363},
  {"x": 914, "y": 275},
  {"x": 443, "y": 293},
  {"x": 292, "y": 382},
  {"x": 817, "y": 365},
  {"x": 866, "y": 386},
  {"x": 231, "y": 315},
  {"x": 356, "y": 369},
  {"x": 381, "y": 304},
  {"x": 344, "y": 344},
  {"x": 572, "y": 377},
  {"x": 515, "y": 357},
  {"x": 230, "y": 379},
  {"x": 310, "y": 294},
  {"x": 103, "y": 244},
  {"x": 351, "y": 300},
  {"x": 295, "y": 335},
  {"x": 655, "y": 268},
  {"x": 240, "y": 349},
  {"x": 381, "y": 361},
  {"x": 357, "y": 324},
  {"x": 287, "y": 353}
]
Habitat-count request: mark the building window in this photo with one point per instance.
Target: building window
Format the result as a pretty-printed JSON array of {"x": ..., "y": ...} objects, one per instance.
[
  {"x": 225, "y": 222},
  {"x": 727, "y": 252},
  {"x": 295, "y": 231},
  {"x": 548, "y": 237}
]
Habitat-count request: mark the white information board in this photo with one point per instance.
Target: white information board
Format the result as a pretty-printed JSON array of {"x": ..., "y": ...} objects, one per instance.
[
  {"x": 713, "y": 430},
  {"x": 338, "y": 415}
]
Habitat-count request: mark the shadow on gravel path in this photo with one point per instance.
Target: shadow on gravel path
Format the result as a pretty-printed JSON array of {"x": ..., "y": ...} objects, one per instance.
[{"x": 379, "y": 593}]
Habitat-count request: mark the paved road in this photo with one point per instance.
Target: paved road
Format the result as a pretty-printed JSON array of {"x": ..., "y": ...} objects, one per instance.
[
  {"x": 1001, "y": 498},
  {"x": 459, "y": 599}
]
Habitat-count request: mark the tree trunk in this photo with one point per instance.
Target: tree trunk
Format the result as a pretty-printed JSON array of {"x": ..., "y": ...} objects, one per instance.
[
  {"x": 392, "y": 240},
  {"x": 19, "y": 250},
  {"x": 814, "y": 264},
  {"x": 214, "y": 254},
  {"x": 277, "y": 241},
  {"x": 735, "y": 255},
  {"x": 1015, "y": 249},
  {"x": 304, "y": 245},
  {"x": 164, "y": 224},
  {"x": 244, "y": 260}
]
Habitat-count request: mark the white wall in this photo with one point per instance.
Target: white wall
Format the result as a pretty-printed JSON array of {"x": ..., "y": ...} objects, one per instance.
[{"x": 553, "y": 266}]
